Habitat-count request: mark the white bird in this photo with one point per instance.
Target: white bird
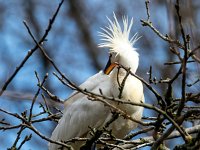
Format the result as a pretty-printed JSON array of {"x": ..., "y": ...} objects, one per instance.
[{"x": 81, "y": 113}]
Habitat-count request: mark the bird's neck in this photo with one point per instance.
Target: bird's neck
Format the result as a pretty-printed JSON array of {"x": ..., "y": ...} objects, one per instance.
[
  {"x": 119, "y": 72},
  {"x": 129, "y": 60},
  {"x": 118, "y": 75}
]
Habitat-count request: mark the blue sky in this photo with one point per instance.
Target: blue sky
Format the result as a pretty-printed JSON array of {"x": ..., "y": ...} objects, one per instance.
[{"x": 68, "y": 51}]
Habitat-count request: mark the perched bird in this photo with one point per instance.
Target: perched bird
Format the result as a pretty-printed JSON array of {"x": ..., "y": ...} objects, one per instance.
[{"x": 80, "y": 113}]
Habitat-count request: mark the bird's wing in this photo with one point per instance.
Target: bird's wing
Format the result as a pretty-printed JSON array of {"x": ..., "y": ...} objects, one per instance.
[
  {"x": 90, "y": 84},
  {"x": 82, "y": 113}
]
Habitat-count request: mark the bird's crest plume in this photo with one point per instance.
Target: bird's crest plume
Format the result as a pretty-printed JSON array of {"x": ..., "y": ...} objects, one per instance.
[{"x": 117, "y": 39}]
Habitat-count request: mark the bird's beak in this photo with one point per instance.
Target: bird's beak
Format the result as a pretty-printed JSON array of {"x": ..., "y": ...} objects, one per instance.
[{"x": 109, "y": 66}]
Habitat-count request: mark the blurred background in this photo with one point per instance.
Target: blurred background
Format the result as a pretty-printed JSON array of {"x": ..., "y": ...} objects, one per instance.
[{"x": 72, "y": 44}]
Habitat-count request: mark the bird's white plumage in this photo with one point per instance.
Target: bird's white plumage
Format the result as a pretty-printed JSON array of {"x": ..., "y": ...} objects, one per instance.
[
  {"x": 81, "y": 113},
  {"x": 121, "y": 48},
  {"x": 116, "y": 38},
  {"x": 119, "y": 42},
  {"x": 90, "y": 84}
]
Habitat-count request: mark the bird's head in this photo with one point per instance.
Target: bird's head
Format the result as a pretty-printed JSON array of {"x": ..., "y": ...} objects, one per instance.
[{"x": 120, "y": 45}]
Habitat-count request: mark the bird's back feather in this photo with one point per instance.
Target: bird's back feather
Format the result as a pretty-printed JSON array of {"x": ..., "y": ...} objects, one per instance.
[{"x": 81, "y": 113}]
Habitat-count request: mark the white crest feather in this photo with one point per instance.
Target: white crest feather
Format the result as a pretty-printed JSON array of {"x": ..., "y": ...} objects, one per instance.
[{"x": 115, "y": 38}]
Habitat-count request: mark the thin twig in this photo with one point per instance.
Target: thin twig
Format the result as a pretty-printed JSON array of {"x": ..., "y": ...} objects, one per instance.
[
  {"x": 102, "y": 97},
  {"x": 159, "y": 98},
  {"x": 52, "y": 96},
  {"x": 147, "y": 8},
  {"x": 30, "y": 52},
  {"x": 36, "y": 94},
  {"x": 177, "y": 62},
  {"x": 27, "y": 138},
  {"x": 47, "y": 139},
  {"x": 165, "y": 38},
  {"x": 121, "y": 86},
  {"x": 184, "y": 63}
]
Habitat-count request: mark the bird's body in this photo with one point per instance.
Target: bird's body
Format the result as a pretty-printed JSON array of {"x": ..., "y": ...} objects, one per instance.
[{"x": 81, "y": 113}]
